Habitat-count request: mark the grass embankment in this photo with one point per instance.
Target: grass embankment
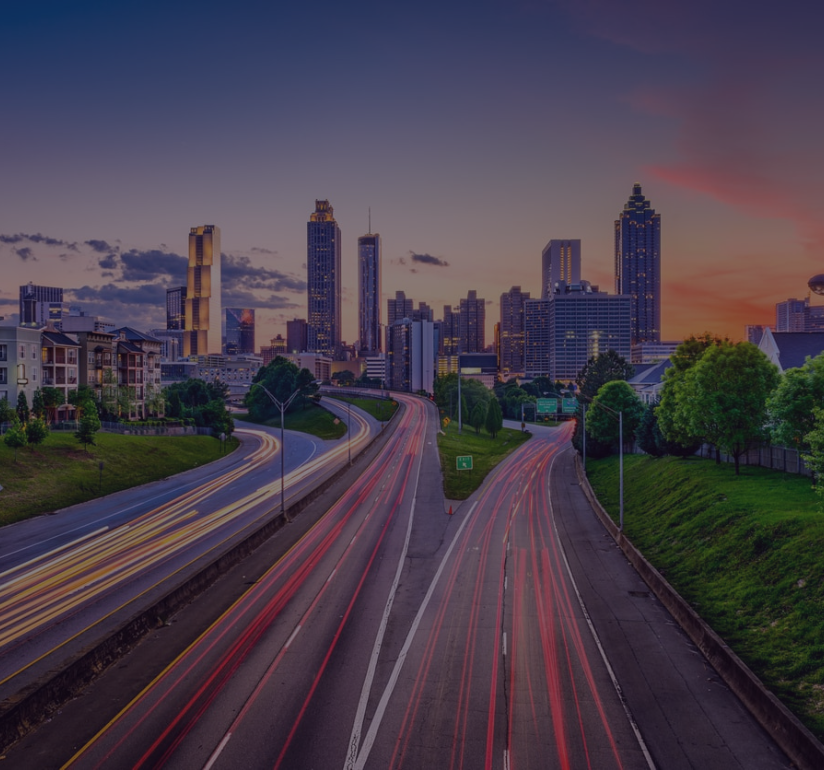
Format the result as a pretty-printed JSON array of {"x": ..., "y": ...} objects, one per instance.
[
  {"x": 485, "y": 451},
  {"x": 314, "y": 420},
  {"x": 60, "y": 472},
  {"x": 747, "y": 552},
  {"x": 380, "y": 408}
]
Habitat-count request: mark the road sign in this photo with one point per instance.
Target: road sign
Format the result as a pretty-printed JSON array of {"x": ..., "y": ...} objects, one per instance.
[
  {"x": 569, "y": 405},
  {"x": 547, "y": 405},
  {"x": 464, "y": 463}
]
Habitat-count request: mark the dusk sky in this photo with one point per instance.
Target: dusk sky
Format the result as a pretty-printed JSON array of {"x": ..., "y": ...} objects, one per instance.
[{"x": 475, "y": 132}]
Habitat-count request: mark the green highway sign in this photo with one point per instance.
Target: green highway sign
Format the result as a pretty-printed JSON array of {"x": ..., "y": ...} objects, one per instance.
[
  {"x": 547, "y": 405},
  {"x": 464, "y": 463},
  {"x": 569, "y": 405}
]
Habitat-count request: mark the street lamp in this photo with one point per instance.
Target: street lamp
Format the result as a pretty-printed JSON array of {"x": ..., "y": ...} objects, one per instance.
[
  {"x": 283, "y": 406},
  {"x": 613, "y": 412},
  {"x": 349, "y": 428}
]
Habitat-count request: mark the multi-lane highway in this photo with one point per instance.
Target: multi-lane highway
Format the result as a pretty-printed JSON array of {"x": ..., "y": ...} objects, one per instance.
[
  {"x": 395, "y": 635},
  {"x": 69, "y": 578}
]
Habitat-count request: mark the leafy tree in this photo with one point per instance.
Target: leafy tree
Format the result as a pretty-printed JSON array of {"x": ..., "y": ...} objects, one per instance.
[
  {"x": 648, "y": 435},
  {"x": 792, "y": 404},
  {"x": 80, "y": 394},
  {"x": 52, "y": 400},
  {"x": 494, "y": 418},
  {"x": 174, "y": 405},
  {"x": 6, "y": 412},
  {"x": 108, "y": 394},
  {"x": 478, "y": 416},
  {"x": 37, "y": 431},
  {"x": 602, "y": 422},
  {"x": 155, "y": 404},
  {"x": 15, "y": 437},
  {"x": 724, "y": 396},
  {"x": 472, "y": 392},
  {"x": 600, "y": 370},
  {"x": 671, "y": 412},
  {"x": 38, "y": 408},
  {"x": 22, "y": 407},
  {"x": 814, "y": 458},
  {"x": 281, "y": 378},
  {"x": 343, "y": 377},
  {"x": 88, "y": 424}
]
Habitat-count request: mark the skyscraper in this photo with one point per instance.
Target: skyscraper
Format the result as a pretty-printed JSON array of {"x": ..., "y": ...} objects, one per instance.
[
  {"x": 296, "y": 335},
  {"x": 240, "y": 331},
  {"x": 324, "y": 281},
  {"x": 202, "y": 325},
  {"x": 560, "y": 261},
  {"x": 638, "y": 265},
  {"x": 176, "y": 308},
  {"x": 41, "y": 304},
  {"x": 398, "y": 308},
  {"x": 511, "y": 361},
  {"x": 473, "y": 323},
  {"x": 369, "y": 293}
]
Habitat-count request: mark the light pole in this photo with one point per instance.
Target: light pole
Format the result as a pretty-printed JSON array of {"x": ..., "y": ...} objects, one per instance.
[
  {"x": 349, "y": 428},
  {"x": 283, "y": 406}
]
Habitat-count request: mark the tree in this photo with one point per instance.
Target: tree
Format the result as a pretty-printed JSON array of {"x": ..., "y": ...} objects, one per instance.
[
  {"x": 343, "y": 377},
  {"x": 15, "y": 437},
  {"x": 600, "y": 370},
  {"x": 281, "y": 378},
  {"x": 88, "y": 425},
  {"x": 494, "y": 418},
  {"x": 648, "y": 434},
  {"x": 724, "y": 396},
  {"x": 38, "y": 408},
  {"x": 792, "y": 404},
  {"x": 671, "y": 411},
  {"x": 52, "y": 400},
  {"x": 6, "y": 412},
  {"x": 37, "y": 431},
  {"x": 814, "y": 458},
  {"x": 22, "y": 408},
  {"x": 478, "y": 416},
  {"x": 602, "y": 422}
]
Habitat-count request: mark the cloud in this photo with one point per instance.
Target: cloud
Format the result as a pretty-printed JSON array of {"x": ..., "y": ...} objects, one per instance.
[
  {"x": 238, "y": 272},
  {"x": 153, "y": 264},
  {"x": 428, "y": 259},
  {"x": 101, "y": 247},
  {"x": 109, "y": 262},
  {"x": 38, "y": 239},
  {"x": 112, "y": 293},
  {"x": 25, "y": 253},
  {"x": 261, "y": 250}
]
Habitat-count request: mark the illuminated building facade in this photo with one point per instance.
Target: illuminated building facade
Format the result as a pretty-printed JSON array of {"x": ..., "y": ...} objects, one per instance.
[
  {"x": 511, "y": 335},
  {"x": 324, "y": 281},
  {"x": 560, "y": 261},
  {"x": 240, "y": 331},
  {"x": 202, "y": 333},
  {"x": 176, "y": 308}
]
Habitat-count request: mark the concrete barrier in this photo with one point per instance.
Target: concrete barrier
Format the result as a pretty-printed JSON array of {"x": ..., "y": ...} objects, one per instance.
[{"x": 800, "y": 745}]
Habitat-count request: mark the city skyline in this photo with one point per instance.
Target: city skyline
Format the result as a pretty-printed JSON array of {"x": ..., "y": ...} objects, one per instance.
[{"x": 477, "y": 155}]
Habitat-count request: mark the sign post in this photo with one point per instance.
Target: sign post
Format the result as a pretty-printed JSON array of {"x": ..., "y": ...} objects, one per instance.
[{"x": 464, "y": 463}]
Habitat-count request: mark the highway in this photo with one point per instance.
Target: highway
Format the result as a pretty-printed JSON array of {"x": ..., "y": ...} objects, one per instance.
[
  {"x": 511, "y": 634},
  {"x": 68, "y": 578}
]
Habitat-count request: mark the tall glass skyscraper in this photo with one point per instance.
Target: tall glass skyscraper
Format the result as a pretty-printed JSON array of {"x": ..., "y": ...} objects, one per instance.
[
  {"x": 560, "y": 261},
  {"x": 638, "y": 265},
  {"x": 324, "y": 281},
  {"x": 240, "y": 331},
  {"x": 369, "y": 295},
  {"x": 202, "y": 330}
]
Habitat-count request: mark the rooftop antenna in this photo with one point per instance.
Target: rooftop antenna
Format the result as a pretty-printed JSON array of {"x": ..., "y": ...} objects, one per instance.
[{"x": 370, "y": 220}]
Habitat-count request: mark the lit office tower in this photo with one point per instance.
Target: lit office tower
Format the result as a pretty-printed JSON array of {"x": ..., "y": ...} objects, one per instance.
[
  {"x": 369, "y": 294},
  {"x": 240, "y": 331},
  {"x": 560, "y": 261},
  {"x": 473, "y": 322},
  {"x": 40, "y": 304},
  {"x": 202, "y": 325},
  {"x": 398, "y": 308},
  {"x": 512, "y": 332},
  {"x": 324, "y": 281},
  {"x": 638, "y": 265},
  {"x": 176, "y": 308}
]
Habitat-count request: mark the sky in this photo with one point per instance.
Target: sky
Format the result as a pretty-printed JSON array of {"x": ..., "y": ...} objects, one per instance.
[{"x": 474, "y": 132}]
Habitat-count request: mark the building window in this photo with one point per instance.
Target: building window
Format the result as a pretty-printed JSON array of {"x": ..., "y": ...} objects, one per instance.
[
  {"x": 4, "y": 376},
  {"x": 4, "y": 353}
]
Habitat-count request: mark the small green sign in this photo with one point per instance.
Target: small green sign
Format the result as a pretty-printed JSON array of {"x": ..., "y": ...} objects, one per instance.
[
  {"x": 464, "y": 463},
  {"x": 569, "y": 405},
  {"x": 547, "y": 405}
]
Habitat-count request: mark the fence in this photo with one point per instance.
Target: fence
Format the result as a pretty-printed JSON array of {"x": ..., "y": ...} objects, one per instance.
[
  {"x": 778, "y": 458},
  {"x": 128, "y": 429}
]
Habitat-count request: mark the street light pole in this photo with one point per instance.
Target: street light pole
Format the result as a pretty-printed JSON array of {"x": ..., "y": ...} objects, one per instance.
[
  {"x": 349, "y": 428},
  {"x": 283, "y": 406},
  {"x": 620, "y": 454}
]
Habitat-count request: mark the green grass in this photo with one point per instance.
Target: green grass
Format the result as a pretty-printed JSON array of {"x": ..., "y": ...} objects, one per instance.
[
  {"x": 380, "y": 409},
  {"x": 314, "y": 420},
  {"x": 486, "y": 453},
  {"x": 60, "y": 472},
  {"x": 747, "y": 552}
]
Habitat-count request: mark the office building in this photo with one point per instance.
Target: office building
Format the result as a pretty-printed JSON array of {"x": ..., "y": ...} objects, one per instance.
[
  {"x": 202, "y": 333},
  {"x": 536, "y": 337},
  {"x": 369, "y": 294},
  {"x": 511, "y": 332},
  {"x": 450, "y": 338},
  {"x": 323, "y": 281},
  {"x": 398, "y": 308},
  {"x": 297, "y": 331},
  {"x": 583, "y": 324},
  {"x": 638, "y": 265},
  {"x": 176, "y": 308},
  {"x": 240, "y": 331},
  {"x": 40, "y": 305},
  {"x": 560, "y": 261},
  {"x": 411, "y": 355},
  {"x": 473, "y": 323}
]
